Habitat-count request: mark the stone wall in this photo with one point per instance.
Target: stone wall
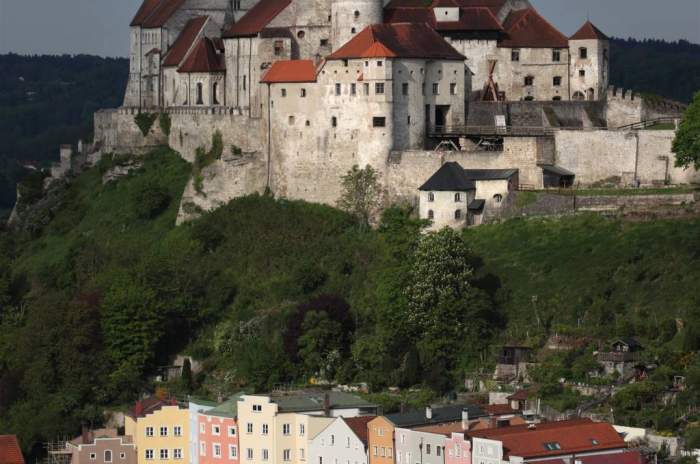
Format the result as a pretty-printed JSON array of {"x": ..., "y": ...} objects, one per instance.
[{"x": 116, "y": 132}]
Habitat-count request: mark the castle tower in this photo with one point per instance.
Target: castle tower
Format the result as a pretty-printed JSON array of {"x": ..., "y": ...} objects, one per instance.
[
  {"x": 589, "y": 50},
  {"x": 349, "y": 17}
]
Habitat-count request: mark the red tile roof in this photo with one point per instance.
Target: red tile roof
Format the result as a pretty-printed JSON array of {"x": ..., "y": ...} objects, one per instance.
[
  {"x": 149, "y": 405},
  {"x": 359, "y": 426},
  {"x": 528, "y": 29},
  {"x": 10, "y": 452},
  {"x": 631, "y": 457},
  {"x": 257, "y": 18},
  {"x": 162, "y": 13},
  {"x": 184, "y": 41},
  {"x": 146, "y": 9},
  {"x": 290, "y": 71},
  {"x": 470, "y": 19},
  {"x": 520, "y": 395},
  {"x": 499, "y": 409},
  {"x": 575, "y": 436},
  {"x": 203, "y": 59},
  {"x": 397, "y": 41},
  {"x": 589, "y": 32}
]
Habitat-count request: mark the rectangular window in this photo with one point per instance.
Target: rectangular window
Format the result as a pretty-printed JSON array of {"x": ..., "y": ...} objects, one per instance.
[
  {"x": 582, "y": 73},
  {"x": 257, "y": 408},
  {"x": 249, "y": 453},
  {"x": 427, "y": 448},
  {"x": 404, "y": 88},
  {"x": 324, "y": 42},
  {"x": 302, "y": 454},
  {"x": 583, "y": 53},
  {"x": 453, "y": 89},
  {"x": 436, "y": 89},
  {"x": 149, "y": 431},
  {"x": 163, "y": 431},
  {"x": 149, "y": 455},
  {"x": 556, "y": 81},
  {"x": 232, "y": 452},
  {"x": 216, "y": 450},
  {"x": 202, "y": 427},
  {"x": 515, "y": 55},
  {"x": 177, "y": 431},
  {"x": 245, "y": 82},
  {"x": 265, "y": 429},
  {"x": 380, "y": 63},
  {"x": 302, "y": 430},
  {"x": 265, "y": 454},
  {"x": 366, "y": 87},
  {"x": 287, "y": 455},
  {"x": 556, "y": 55},
  {"x": 231, "y": 431},
  {"x": 122, "y": 455},
  {"x": 302, "y": 93},
  {"x": 353, "y": 89},
  {"x": 378, "y": 122},
  {"x": 283, "y": 92},
  {"x": 202, "y": 448},
  {"x": 249, "y": 426},
  {"x": 422, "y": 88},
  {"x": 164, "y": 454},
  {"x": 379, "y": 88},
  {"x": 286, "y": 428},
  {"x": 93, "y": 456},
  {"x": 279, "y": 47},
  {"x": 337, "y": 89},
  {"x": 177, "y": 453}
]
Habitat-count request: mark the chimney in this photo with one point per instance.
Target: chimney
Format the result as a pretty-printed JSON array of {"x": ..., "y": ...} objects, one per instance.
[
  {"x": 85, "y": 434},
  {"x": 138, "y": 408},
  {"x": 465, "y": 419},
  {"x": 428, "y": 413},
  {"x": 327, "y": 404}
]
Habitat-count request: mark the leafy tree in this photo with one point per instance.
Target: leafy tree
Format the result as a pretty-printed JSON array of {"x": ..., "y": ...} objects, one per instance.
[
  {"x": 149, "y": 200},
  {"x": 686, "y": 145},
  {"x": 362, "y": 194},
  {"x": 583, "y": 365},
  {"x": 319, "y": 347}
]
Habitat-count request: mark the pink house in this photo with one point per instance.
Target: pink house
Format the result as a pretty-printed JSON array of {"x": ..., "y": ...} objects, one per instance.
[
  {"x": 457, "y": 450},
  {"x": 218, "y": 434}
]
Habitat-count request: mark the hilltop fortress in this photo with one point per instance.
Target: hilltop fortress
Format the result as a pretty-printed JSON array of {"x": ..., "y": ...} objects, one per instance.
[{"x": 302, "y": 90}]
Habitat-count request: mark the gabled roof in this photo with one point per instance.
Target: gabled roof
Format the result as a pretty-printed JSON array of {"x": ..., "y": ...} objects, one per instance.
[
  {"x": 471, "y": 19},
  {"x": 155, "y": 13},
  {"x": 290, "y": 71},
  {"x": 528, "y": 29},
  {"x": 589, "y": 32},
  {"x": 397, "y": 41},
  {"x": 145, "y": 10},
  {"x": 203, "y": 59},
  {"x": 10, "y": 452},
  {"x": 149, "y": 405},
  {"x": 554, "y": 438},
  {"x": 439, "y": 416},
  {"x": 358, "y": 425},
  {"x": 451, "y": 177},
  {"x": 184, "y": 41},
  {"x": 257, "y": 18}
]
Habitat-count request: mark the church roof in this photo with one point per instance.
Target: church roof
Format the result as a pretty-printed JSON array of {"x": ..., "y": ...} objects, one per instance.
[
  {"x": 397, "y": 41},
  {"x": 290, "y": 71},
  {"x": 470, "y": 19},
  {"x": 528, "y": 29},
  {"x": 144, "y": 11},
  {"x": 203, "y": 59},
  {"x": 257, "y": 18},
  {"x": 184, "y": 41},
  {"x": 589, "y": 32}
]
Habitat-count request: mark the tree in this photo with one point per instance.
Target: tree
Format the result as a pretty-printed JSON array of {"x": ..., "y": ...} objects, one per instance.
[
  {"x": 362, "y": 194},
  {"x": 686, "y": 145},
  {"x": 320, "y": 346},
  {"x": 186, "y": 377}
]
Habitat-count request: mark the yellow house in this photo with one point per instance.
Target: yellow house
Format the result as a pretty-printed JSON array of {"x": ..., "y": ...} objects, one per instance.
[
  {"x": 160, "y": 430},
  {"x": 278, "y": 428}
]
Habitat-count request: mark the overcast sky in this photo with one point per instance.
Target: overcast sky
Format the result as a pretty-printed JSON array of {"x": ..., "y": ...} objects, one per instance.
[{"x": 99, "y": 26}]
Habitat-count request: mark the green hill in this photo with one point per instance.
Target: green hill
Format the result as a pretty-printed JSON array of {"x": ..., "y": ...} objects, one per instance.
[{"x": 101, "y": 288}]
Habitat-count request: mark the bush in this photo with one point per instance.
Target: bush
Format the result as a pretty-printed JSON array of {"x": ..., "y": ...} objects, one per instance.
[
  {"x": 204, "y": 158},
  {"x": 149, "y": 201},
  {"x": 165, "y": 123},
  {"x": 145, "y": 122}
]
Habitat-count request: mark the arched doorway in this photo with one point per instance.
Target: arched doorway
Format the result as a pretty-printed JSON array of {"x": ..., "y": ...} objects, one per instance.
[{"x": 578, "y": 96}]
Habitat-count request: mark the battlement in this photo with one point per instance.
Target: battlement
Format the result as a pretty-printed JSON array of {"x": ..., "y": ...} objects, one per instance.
[{"x": 615, "y": 93}]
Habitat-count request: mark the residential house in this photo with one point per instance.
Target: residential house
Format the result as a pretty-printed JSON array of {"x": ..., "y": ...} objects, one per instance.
[
  {"x": 197, "y": 406},
  {"x": 218, "y": 433},
  {"x": 279, "y": 427},
  {"x": 10, "y": 452},
  {"x": 103, "y": 446},
  {"x": 512, "y": 362},
  {"x": 160, "y": 431},
  {"x": 565, "y": 441},
  {"x": 624, "y": 354},
  {"x": 343, "y": 441},
  {"x": 456, "y": 197}
]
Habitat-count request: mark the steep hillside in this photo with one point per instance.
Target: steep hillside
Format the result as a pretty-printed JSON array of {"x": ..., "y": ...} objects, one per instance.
[{"x": 263, "y": 291}]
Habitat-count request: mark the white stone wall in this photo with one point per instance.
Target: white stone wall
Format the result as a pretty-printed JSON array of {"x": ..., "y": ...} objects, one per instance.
[
  {"x": 489, "y": 190},
  {"x": 596, "y": 67},
  {"x": 538, "y": 63},
  {"x": 337, "y": 442},
  {"x": 444, "y": 206},
  {"x": 309, "y": 21},
  {"x": 349, "y": 17},
  {"x": 477, "y": 53}
]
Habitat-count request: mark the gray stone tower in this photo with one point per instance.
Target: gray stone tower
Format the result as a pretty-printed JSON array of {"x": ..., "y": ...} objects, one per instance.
[{"x": 349, "y": 17}]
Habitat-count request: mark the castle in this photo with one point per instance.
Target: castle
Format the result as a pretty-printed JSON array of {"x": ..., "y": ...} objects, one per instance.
[{"x": 302, "y": 90}]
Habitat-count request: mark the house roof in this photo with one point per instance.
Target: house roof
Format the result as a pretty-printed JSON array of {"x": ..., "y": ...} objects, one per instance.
[
  {"x": 184, "y": 41},
  {"x": 439, "y": 415},
  {"x": 155, "y": 13},
  {"x": 313, "y": 400},
  {"x": 629, "y": 341},
  {"x": 204, "y": 58},
  {"x": 554, "y": 438},
  {"x": 451, "y": 177},
  {"x": 10, "y": 452},
  {"x": 589, "y": 32},
  {"x": 402, "y": 40},
  {"x": 528, "y": 29},
  {"x": 470, "y": 19},
  {"x": 228, "y": 408},
  {"x": 145, "y": 10},
  {"x": 499, "y": 409},
  {"x": 290, "y": 71},
  {"x": 257, "y": 18},
  {"x": 358, "y": 425},
  {"x": 149, "y": 405},
  {"x": 628, "y": 457},
  {"x": 520, "y": 395},
  {"x": 476, "y": 205},
  {"x": 558, "y": 171}
]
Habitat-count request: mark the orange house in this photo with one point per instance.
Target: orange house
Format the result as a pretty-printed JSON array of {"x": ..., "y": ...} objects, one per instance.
[{"x": 380, "y": 439}]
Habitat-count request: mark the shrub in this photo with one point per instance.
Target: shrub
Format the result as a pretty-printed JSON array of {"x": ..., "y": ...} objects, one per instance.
[
  {"x": 145, "y": 122},
  {"x": 149, "y": 201},
  {"x": 165, "y": 123},
  {"x": 204, "y": 158}
]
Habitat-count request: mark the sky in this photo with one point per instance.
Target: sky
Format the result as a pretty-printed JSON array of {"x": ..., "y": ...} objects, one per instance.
[{"x": 99, "y": 27}]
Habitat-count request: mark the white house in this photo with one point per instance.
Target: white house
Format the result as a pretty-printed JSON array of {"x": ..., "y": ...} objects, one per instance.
[{"x": 343, "y": 441}]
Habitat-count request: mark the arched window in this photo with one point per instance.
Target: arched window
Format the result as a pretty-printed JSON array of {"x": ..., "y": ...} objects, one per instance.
[
  {"x": 431, "y": 196},
  {"x": 498, "y": 198},
  {"x": 108, "y": 455},
  {"x": 578, "y": 96},
  {"x": 458, "y": 214},
  {"x": 200, "y": 93},
  {"x": 458, "y": 197},
  {"x": 356, "y": 14},
  {"x": 214, "y": 92},
  {"x": 431, "y": 215}
]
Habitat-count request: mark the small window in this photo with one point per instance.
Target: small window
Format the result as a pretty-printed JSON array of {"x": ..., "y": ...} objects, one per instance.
[
  {"x": 291, "y": 123},
  {"x": 366, "y": 87},
  {"x": 404, "y": 88},
  {"x": 257, "y": 408},
  {"x": 378, "y": 121},
  {"x": 436, "y": 89},
  {"x": 302, "y": 93},
  {"x": 498, "y": 198},
  {"x": 379, "y": 88},
  {"x": 93, "y": 456},
  {"x": 556, "y": 55},
  {"x": 515, "y": 55},
  {"x": 380, "y": 64},
  {"x": 308, "y": 123},
  {"x": 594, "y": 441},
  {"x": 556, "y": 99},
  {"x": 149, "y": 455},
  {"x": 431, "y": 214},
  {"x": 177, "y": 454},
  {"x": 582, "y": 73},
  {"x": 149, "y": 431},
  {"x": 324, "y": 42},
  {"x": 529, "y": 80},
  {"x": 177, "y": 431},
  {"x": 214, "y": 92},
  {"x": 279, "y": 47},
  {"x": 431, "y": 198},
  {"x": 458, "y": 214},
  {"x": 232, "y": 431},
  {"x": 334, "y": 121},
  {"x": 529, "y": 98},
  {"x": 356, "y": 14},
  {"x": 200, "y": 98},
  {"x": 337, "y": 89},
  {"x": 353, "y": 30},
  {"x": 163, "y": 431},
  {"x": 458, "y": 197},
  {"x": 283, "y": 92},
  {"x": 122, "y": 455},
  {"x": 556, "y": 81},
  {"x": 453, "y": 89},
  {"x": 353, "y": 89},
  {"x": 301, "y": 34},
  {"x": 583, "y": 53},
  {"x": 164, "y": 454},
  {"x": 245, "y": 82}
]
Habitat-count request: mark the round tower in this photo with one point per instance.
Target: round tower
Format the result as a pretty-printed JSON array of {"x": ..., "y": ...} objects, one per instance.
[{"x": 350, "y": 17}]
